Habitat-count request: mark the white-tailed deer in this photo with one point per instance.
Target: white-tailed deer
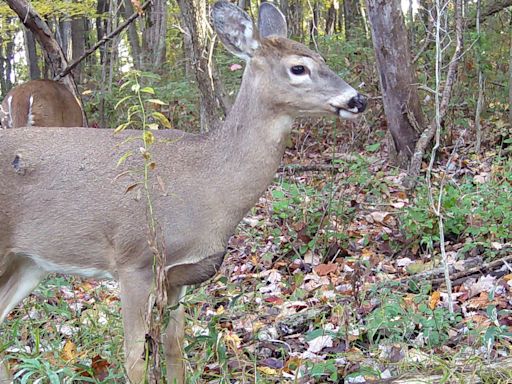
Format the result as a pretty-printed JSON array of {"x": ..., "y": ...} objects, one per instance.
[
  {"x": 40, "y": 103},
  {"x": 66, "y": 207}
]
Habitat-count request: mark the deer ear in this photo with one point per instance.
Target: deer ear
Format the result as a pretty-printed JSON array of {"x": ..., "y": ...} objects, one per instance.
[
  {"x": 271, "y": 21},
  {"x": 235, "y": 29}
]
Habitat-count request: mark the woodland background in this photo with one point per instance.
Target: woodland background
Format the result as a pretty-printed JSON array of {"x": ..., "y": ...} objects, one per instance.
[{"x": 383, "y": 250}]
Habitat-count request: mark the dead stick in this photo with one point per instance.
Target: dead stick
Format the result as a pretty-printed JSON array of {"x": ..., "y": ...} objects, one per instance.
[
  {"x": 438, "y": 271},
  {"x": 307, "y": 168},
  {"x": 102, "y": 41},
  {"x": 484, "y": 267}
]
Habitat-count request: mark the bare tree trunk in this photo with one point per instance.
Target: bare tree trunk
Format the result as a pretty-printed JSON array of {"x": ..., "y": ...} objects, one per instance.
[
  {"x": 490, "y": 9},
  {"x": 77, "y": 43},
  {"x": 212, "y": 105},
  {"x": 6, "y": 56},
  {"x": 427, "y": 135},
  {"x": 481, "y": 82},
  {"x": 244, "y": 4},
  {"x": 410, "y": 16},
  {"x": 153, "y": 37},
  {"x": 353, "y": 18},
  {"x": 63, "y": 34},
  {"x": 401, "y": 102},
  {"x": 295, "y": 18},
  {"x": 31, "y": 54},
  {"x": 102, "y": 8},
  {"x": 314, "y": 25},
  {"x": 330, "y": 20},
  {"x": 133, "y": 36}
]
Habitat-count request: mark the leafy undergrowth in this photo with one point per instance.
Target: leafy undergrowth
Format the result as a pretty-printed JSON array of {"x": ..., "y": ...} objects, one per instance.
[{"x": 333, "y": 277}]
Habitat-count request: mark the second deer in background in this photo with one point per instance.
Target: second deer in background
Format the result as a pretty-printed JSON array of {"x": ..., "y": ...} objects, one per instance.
[{"x": 40, "y": 103}]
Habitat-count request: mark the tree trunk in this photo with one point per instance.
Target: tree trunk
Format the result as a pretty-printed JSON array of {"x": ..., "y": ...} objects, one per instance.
[
  {"x": 313, "y": 25},
  {"x": 353, "y": 18},
  {"x": 6, "y": 56},
  {"x": 294, "y": 19},
  {"x": 153, "y": 36},
  {"x": 212, "y": 105},
  {"x": 410, "y": 16},
  {"x": 401, "y": 102},
  {"x": 490, "y": 9},
  {"x": 77, "y": 44},
  {"x": 244, "y": 4},
  {"x": 31, "y": 54},
  {"x": 133, "y": 35},
  {"x": 330, "y": 20},
  {"x": 102, "y": 8}
]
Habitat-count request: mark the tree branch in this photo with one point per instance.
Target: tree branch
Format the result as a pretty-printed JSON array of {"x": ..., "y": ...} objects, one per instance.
[
  {"x": 103, "y": 41},
  {"x": 493, "y": 7}
]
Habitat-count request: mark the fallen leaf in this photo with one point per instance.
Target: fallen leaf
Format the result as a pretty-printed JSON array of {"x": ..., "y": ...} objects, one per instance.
[
  {"x": 325, "y": 269},
  {"x": 69, "y": 351},
  {"x": 100, "y": 367},
  {"x": 434, "y": 299},
  {"x": 319, "y": 343},
  {"x": 267, "y": 371}
]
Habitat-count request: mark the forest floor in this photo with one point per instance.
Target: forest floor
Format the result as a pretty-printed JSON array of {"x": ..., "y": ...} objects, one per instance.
[{"x": 335, "y": 276}]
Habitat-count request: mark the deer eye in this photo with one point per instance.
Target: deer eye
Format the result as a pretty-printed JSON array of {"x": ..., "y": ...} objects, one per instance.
[{"x": 298, "y": 70}]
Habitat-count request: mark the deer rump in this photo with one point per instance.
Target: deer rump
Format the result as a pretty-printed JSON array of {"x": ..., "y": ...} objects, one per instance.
[{"x": 41, "y": 103}]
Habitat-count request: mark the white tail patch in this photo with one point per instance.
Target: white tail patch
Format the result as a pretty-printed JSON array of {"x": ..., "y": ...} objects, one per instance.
[
  {"x": 30, "y": 117},
  {"x": 9, "y": 112}
]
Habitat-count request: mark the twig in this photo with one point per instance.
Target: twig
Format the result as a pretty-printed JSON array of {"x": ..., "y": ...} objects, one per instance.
[
  {"x": 307, "y": 168},
  {"x": 102, "y": 41},
  {"x": 471, "y": 376},
  {"x": 490, "y": 266},
  {"x": 428, "y": 134},
  {"x": 473, "y": 265}
]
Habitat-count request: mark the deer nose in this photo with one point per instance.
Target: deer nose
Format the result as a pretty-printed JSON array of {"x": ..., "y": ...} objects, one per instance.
[{"x": 359, "y": 101}]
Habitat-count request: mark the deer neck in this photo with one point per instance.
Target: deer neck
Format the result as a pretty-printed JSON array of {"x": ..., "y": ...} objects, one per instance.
[{"x": 250, "y": 144}]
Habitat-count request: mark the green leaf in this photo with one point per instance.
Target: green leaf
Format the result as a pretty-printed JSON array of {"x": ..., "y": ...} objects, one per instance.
[
  {"x": 124, "y": 158},
  {"x": 157, "y": 101},
  {"x": 148, "y": 90},
  {"x": 373, "y": 147},
  {"x": 149, "y": 138},
  {"x": 162, "y": 119},
  {"x": 121, "y": 101},
  {"x": 122, "y": 127}
]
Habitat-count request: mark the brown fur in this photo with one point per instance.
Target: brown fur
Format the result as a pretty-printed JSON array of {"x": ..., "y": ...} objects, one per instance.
[{"x": 53, "y": 105}]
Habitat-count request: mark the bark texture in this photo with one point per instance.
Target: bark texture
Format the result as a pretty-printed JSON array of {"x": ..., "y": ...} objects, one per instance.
[
  {"x": 153, "y": 37},
  {"x": 212, "y": 105},
  {"x": 77, "y": 43},
  {"x": 31, "y": 54},
  {"x": 133, "y": 36},
  {"x": 489, "y": 9},
  {"x": 401, "y": 102}
]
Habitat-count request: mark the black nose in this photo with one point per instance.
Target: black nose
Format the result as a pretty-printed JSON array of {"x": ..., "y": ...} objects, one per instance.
[{"x": 359, "y": 101}]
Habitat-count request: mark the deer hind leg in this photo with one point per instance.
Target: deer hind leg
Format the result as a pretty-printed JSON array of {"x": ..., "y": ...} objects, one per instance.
[
  {"x": 173, "y": 337},
  {"x": 18, "y": 277},
  {"x": 135, "y": 288}
]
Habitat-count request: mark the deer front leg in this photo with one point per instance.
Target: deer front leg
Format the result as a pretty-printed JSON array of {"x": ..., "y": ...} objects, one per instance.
[
  {"x": 173, "y": 337},
  {"x": 18, "y": 277},
  {"x": 135, "y": 289}
]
